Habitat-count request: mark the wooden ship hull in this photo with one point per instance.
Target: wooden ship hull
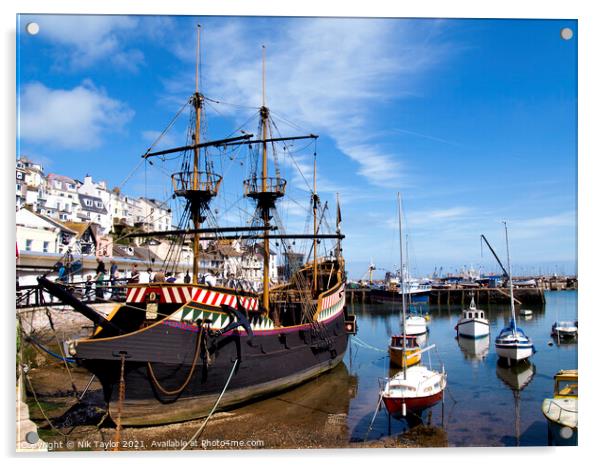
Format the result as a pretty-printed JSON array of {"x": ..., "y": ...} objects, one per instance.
[{"x": 176, "y": 368}]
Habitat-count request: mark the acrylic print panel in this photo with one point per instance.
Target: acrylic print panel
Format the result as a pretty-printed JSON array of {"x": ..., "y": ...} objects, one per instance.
[{"x": 209, "y": 230}]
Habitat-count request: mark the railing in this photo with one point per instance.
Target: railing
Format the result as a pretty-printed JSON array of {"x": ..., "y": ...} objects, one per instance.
[
  {"x": 273, "y": 185},
  {"x": 561, "y": 408},
  {"x": 29, "y": 296},
  {"x": 205, "y": 181}
]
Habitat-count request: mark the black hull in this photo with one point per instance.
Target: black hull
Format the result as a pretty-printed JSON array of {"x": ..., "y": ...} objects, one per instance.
[
  {"x": 271, "y": 361},
  {"x": 385, "y": 296}
]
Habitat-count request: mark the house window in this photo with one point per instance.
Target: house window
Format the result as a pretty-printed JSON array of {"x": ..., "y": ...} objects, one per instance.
[
  {"x": 28, "y": 243},
  {"x": 19, "y": 175},
  {"x": 98, "y": 217},
  {"x": 45, "y": 247},
  {"x": 98, "y": 204},
  {"x": 63, "y": 216},
  {"x": 88, "y": 202}
]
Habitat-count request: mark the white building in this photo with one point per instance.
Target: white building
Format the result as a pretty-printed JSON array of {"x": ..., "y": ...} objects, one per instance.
[
  {"x": 155, "y": 215},
  {"x": 59, "y": 198},
  {"x": 37, "y": 233}
]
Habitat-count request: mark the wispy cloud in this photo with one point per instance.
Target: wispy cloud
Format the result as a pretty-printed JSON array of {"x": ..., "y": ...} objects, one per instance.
[
  {"x": 70, "y": 118},
  {"x": 330, "y": 75}
]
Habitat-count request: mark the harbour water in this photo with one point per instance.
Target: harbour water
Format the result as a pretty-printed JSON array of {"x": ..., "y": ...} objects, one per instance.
[{"x": 486, "y": 404}]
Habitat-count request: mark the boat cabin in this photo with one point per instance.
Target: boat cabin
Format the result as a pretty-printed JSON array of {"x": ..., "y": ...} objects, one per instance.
[
  {"x": 566, "y": 384},
  {"x": 397, "y": 341},
  {"x": 473, "y": 314}
]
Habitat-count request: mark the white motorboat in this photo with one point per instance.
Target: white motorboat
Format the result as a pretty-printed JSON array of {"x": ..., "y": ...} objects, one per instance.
[
  {"x": 561, "y": 411},
  {"x": 473, "y": 323},
  {"x": 565, "y": 329},
  {"x": 416, "y": 325},
  {"x": 512, "y": 344},
  {"x": 526, "y": 312}
]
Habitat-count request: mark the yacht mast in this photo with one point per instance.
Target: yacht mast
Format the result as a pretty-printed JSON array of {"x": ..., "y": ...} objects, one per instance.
[
  {"x": 510, "y": 280},
  {"x": 401, "y": 285}
]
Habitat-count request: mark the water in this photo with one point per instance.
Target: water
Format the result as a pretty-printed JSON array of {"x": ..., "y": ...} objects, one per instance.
[{"x": 486, "y": 404}]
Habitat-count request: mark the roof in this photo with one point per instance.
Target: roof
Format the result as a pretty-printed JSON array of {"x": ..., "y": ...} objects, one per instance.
[
  {"x": 92, "y": 208},
  {"x": 80, "y": 228},
  {"x": 57, "y": 177}
]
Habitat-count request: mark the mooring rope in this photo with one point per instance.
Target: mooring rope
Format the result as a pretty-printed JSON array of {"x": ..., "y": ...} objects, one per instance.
[
  {"x": 117, "y": 438},
  {"x": 180, "y": 389},
  {"x": 361, "y": 343},
  {"x": 200, "y": 430}
]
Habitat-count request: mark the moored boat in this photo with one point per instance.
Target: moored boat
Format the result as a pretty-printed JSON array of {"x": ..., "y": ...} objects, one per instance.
[
  {"x": 416, "y": 388},
  {"x": 398, "y": 351},
  {"x": 512, "y": 344},
  {"x": 561, "y": 411},
  {"x": 473, "y": 323},
  {"x": 564, "y": 330}
]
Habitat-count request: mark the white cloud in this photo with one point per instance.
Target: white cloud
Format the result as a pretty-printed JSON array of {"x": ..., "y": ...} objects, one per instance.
[
  {"x": 330, "y": 75},
  {"x": 84, "y": 40},
  {"x": 69, "y": 118}
]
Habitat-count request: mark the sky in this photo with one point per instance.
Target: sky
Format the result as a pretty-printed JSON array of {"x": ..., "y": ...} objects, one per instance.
[{"x": 474, "y": 122}]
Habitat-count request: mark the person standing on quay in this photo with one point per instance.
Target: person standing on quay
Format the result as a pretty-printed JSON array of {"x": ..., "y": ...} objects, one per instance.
[
  {"x": 135, "y": 277},
  {"x": 100, "y": 277}
]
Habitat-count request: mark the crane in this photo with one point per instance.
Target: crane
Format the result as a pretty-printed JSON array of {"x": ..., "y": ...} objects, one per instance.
[{"x": 494, "y": 255}]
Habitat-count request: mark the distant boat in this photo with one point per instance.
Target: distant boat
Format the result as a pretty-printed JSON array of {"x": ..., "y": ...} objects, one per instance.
[
  {"x": 566, "y": 329},
  {"x": 411, "y": 349},
  {"x": 416, "y": 325},
  {"x": 526, "y": 312},
  {"x": 512, "y": 343},
  {"x": 561, "y": 410},
  {"x": 473, "y": 323},
  {"x": 415, "y": 388}
]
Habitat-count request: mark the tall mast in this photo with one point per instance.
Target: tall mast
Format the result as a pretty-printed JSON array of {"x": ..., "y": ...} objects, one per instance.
[
  {"x": 510, "y": 279},
  {"x": 401, "y": 284},
  {"x": 315, "y": 211},
  {"x": 264, "y": 189},
  {"x": 338, "y": 226},
  {"x": 197, "y": 102}
]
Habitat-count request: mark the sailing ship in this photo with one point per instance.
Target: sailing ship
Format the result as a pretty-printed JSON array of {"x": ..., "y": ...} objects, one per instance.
[
  {"x": 512, "y": 343},
  {"x": 416, "y": 388},
  {"x": 473, "y": 323},
  {"x": 167, "y": 353}
]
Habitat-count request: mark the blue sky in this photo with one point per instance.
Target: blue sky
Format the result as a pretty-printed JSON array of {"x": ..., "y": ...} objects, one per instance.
[{"x": 473, "y": 121}]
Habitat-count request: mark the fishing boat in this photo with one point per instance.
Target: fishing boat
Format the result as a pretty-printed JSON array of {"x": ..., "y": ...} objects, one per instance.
[
  {"x": 512, "y": 344},
  {"x": 178, "y": 351},
  {"x": 564, "y": 330},
  {"x": 473, "y": 323},
  {"x": 416, "y": 388},
  {"x": 561, "y": 410},
  {"x": 397, "y": 350}
]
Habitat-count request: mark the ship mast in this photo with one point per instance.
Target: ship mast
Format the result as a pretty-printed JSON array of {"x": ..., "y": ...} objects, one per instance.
[
  {"x": 264, "y": 188},
  {"x": 315, "y": 211},
  {"x": 197, "y": 101}
]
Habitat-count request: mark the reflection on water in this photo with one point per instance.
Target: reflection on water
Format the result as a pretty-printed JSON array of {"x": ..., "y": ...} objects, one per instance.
[
  {"x": 474, "y": 349},
  {"x": 486, "y": 404},
  {"x": 517, "y": 377}
]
